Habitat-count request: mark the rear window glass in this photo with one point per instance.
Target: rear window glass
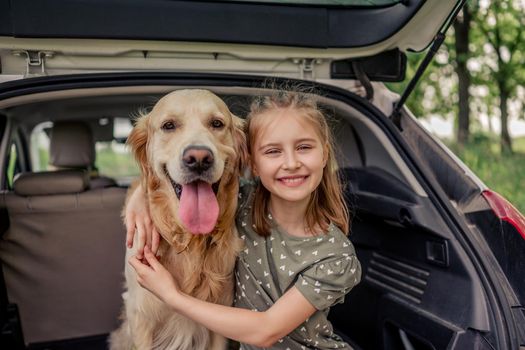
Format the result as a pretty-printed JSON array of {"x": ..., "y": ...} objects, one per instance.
[
  {"x": 372, "y": 3},
  {"x": 113, "y": 157}
]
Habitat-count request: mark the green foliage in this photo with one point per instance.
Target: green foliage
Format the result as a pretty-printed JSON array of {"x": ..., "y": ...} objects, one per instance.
[
  {"x": 436, "y": 90},
  {"x": 116, "y": 165},
  {"x": 496, "y": 63},
  {"x": 43, "y": 157},
  {"x": 498, "y": 54},
  {"x": 502, "y": 173},
  {"x": 11, "y": 166}
]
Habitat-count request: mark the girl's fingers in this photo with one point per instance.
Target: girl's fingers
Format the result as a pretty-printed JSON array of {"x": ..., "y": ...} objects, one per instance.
[
  {"x": 139, "y": 267},
  {"x": 155, "y": 240},
  {"x": 148, "y": 225},
  {"x": 130, "y": 230},
  {"x": 151, "y": 259},
  {"x": 141, "y": 232}
]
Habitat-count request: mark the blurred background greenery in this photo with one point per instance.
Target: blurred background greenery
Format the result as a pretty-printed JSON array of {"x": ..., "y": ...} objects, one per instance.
[{"x": 476, "y": 84}]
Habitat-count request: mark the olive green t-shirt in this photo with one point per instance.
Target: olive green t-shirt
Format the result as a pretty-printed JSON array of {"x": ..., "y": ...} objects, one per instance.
[{"x": 323, "y": 268}]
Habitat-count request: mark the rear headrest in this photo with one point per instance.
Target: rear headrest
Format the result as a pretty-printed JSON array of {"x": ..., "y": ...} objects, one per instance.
[
  {"x": 71, "y": 145},
  {"x": 51, "y": 182}
]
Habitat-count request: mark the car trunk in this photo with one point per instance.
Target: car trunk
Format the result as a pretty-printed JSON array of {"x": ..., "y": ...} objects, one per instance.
[
  {"x": 430, "y": 280},
  {"x": 422, "y": 287}
]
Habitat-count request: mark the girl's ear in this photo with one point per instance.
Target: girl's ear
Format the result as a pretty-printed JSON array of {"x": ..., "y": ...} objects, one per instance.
[
  {"x": 138, "y": 141},
  {"x": 239, "y": 139},
  {"x": 326, "y": 154},
  {"x": 253, "y": 169}
]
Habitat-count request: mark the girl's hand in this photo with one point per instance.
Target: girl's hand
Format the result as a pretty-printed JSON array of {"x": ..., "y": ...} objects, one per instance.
[
  {"x": 154, "y": 277},
  {"x": 138, "y": 220}
]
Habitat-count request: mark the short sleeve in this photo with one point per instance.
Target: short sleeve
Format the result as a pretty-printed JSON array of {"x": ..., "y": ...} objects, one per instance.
[{"x": 326, "y": 283}]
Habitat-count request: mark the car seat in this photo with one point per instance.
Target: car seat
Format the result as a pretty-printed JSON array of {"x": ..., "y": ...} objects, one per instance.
[
  {"x": 63, "y": 255},
  {"x": 72, "y": 146}
]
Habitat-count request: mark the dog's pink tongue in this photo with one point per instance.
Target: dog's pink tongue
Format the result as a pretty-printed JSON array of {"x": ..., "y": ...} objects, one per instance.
[{"x": 198, "y": 208}]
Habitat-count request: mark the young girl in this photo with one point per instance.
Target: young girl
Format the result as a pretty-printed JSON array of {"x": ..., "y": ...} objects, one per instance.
[{"x": 297, "y": 261}]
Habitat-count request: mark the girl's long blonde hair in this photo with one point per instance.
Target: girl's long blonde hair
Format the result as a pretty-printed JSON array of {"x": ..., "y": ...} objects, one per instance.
[{"x": 327, "y": 204}]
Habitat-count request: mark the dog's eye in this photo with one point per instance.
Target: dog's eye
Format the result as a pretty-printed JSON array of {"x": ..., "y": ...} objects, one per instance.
[
  {"x": 168, "y": 126},
  {"x": 217, "y": 123}
]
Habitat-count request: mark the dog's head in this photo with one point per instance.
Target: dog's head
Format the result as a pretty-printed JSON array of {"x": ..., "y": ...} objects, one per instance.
[{"x": 191, "y": 149}]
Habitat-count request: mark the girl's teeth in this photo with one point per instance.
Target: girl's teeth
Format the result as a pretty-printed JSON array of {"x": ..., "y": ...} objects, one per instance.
[{"x": 298, "y": 179}]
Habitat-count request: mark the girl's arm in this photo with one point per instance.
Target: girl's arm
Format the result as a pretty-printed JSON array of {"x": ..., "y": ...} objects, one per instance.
[
  {"x": 138, "y": 221},
  {"x": 261, "y": 329}
]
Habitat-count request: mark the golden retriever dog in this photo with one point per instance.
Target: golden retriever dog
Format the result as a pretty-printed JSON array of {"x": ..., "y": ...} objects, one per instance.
[{"x": 191, "y": 150}]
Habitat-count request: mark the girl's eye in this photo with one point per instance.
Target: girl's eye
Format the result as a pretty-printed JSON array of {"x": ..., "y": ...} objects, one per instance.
[
  {"x": 217, "y": 124},
  {"x": 271, "y": 151},
  {"x": 168, "y": 126},
  {"x": 304, "y": 147}
]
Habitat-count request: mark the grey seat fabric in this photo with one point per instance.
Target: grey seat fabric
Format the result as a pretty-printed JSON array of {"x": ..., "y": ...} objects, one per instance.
[
  {"x": 72, "y": 146},
  {"x": 63, "y": 255}
]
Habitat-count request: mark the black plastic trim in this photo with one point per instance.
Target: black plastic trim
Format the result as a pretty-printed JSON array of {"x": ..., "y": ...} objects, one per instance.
[
  {"x": 99, "y": 80},
  {"x": 472, "y": 246},
  {"x": 388, "y": 66}
]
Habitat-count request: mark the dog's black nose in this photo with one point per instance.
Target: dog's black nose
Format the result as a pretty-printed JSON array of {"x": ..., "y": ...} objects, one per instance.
[{"x": 197, "y": 158}]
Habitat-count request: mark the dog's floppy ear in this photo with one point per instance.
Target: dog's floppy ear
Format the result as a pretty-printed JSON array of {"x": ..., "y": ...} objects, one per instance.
[
  {"x": 138, "y": 141},
  {"x": 241, "y": 146}
]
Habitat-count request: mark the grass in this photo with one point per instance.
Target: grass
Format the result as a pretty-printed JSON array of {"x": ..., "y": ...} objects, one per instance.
[{"x": 503, "y": 173}]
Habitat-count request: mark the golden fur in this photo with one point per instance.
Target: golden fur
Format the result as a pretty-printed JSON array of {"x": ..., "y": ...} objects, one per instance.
[{"x": 202, "y": 264}]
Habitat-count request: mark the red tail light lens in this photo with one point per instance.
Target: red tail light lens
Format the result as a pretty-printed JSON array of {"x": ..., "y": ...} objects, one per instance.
[{"x": 505, "y": 211}]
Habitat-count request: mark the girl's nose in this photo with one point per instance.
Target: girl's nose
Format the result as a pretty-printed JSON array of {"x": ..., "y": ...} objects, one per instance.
[{"x": 291, "y": 162}]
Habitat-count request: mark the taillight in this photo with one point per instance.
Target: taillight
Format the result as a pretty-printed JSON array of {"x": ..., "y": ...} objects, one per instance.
[{"x": 505, "y": 211}]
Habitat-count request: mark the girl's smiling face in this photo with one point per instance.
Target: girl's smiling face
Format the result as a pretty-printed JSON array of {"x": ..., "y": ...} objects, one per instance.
[{"x": 288, "y": 156}]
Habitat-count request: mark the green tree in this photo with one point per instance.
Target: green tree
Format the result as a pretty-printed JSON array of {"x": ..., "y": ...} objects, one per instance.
[
  {"x": 435, "y": 93},
  {"x": 498, "y": 43},
  {"x": 437, "y": 90}
]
